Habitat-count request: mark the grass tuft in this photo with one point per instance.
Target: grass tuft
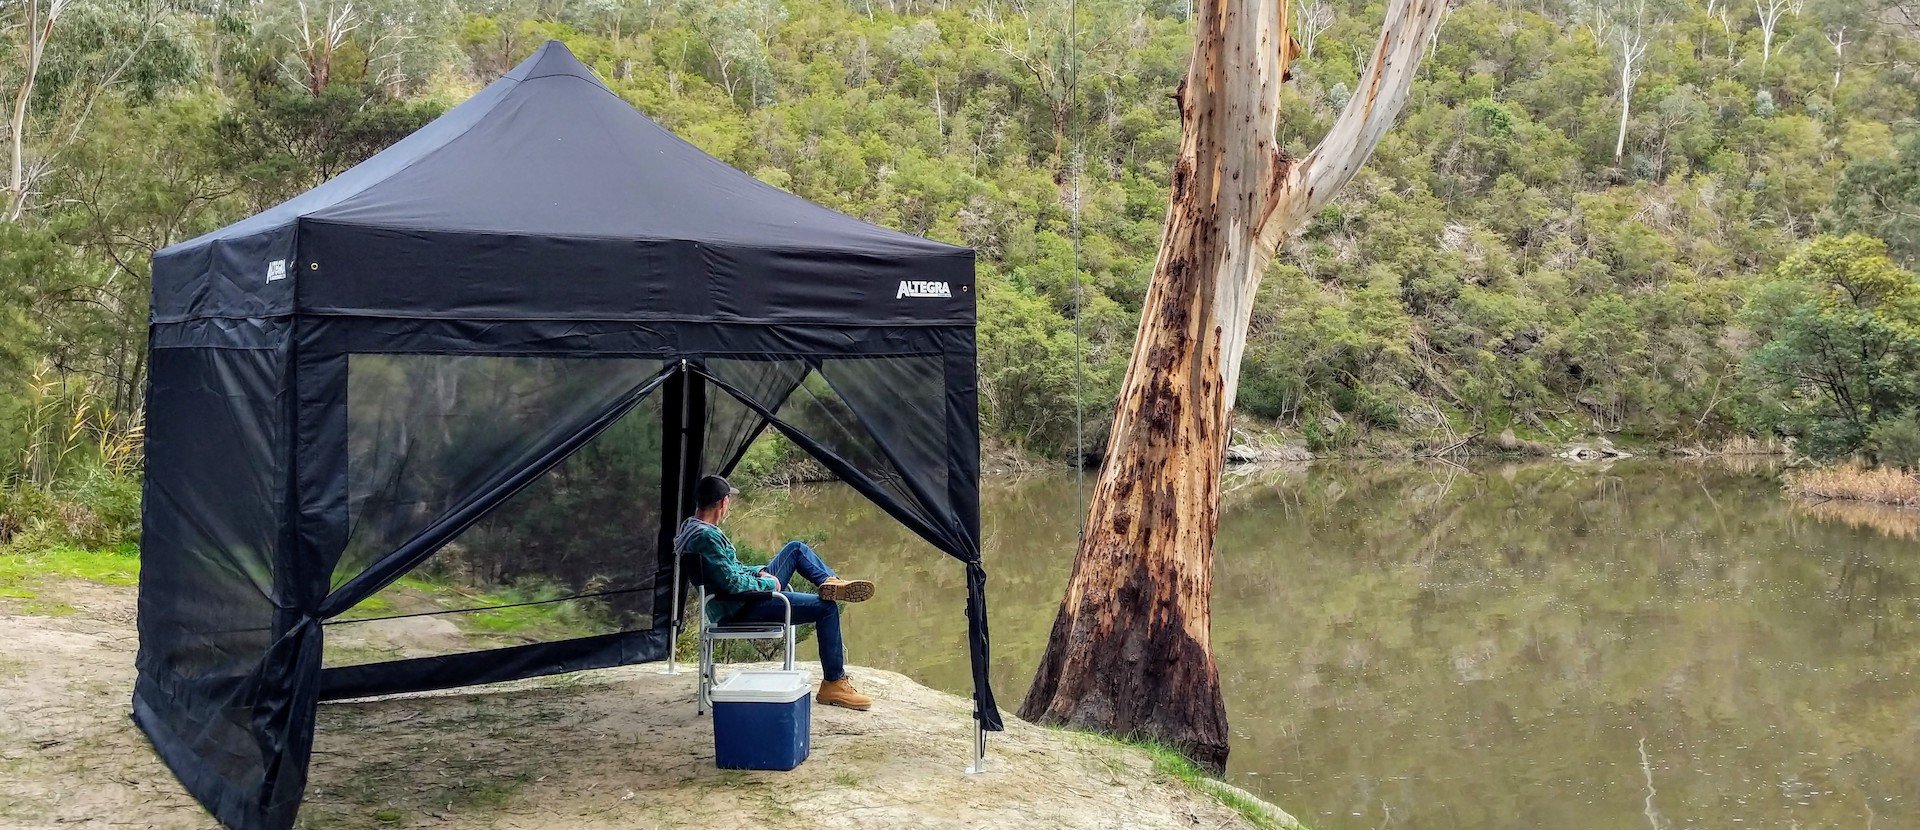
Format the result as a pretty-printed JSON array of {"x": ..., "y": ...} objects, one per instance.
[
  {"x": 1172, "y": 763},
  {"x": 1874, "y": 484}
]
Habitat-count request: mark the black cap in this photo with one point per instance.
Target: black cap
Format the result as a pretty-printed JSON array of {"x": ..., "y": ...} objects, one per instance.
[{"x": 708, "y": 491}]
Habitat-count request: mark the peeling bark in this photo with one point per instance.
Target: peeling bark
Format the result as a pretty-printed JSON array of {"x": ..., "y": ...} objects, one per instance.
[{"x": 1130, "y": 652}]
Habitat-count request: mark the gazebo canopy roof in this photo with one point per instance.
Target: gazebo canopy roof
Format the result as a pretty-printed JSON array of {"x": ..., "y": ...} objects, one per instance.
[{"x": 548, "y": 196}]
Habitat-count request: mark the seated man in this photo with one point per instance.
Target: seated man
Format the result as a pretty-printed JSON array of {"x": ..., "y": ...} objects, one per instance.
[{"x": 719, "y": 570}]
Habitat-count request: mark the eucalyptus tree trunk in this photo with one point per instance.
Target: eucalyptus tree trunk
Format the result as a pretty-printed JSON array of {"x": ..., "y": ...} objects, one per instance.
[
  {"x": 37, "y": 29},
  {"x": 1769, "y": 12},
  {"x": 1838, "y": 40},
  {"x": 1633, "y": 47},
  {"x": 1130, "y": 653}
]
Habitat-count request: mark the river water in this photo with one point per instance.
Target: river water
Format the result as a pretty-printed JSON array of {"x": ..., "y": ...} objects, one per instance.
[{"x": 1638, "y": 644}]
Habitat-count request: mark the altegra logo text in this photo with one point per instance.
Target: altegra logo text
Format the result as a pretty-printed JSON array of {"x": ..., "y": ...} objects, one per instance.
[{"x": 923, "y": 288}]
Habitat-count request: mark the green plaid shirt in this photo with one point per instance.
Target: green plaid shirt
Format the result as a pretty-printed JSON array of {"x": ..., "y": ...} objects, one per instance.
[{"x": 717, "y": 567}]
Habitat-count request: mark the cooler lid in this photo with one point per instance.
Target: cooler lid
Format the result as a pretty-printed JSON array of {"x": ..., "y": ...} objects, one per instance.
[{"x": 762, "y": 687}]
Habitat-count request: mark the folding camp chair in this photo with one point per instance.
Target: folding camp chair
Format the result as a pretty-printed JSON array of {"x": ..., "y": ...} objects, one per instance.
[{"x": 712, "y": 630}]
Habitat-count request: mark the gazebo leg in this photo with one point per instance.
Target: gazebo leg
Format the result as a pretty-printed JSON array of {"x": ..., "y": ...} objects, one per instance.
[
  {"x": 979, "y": 764},
  {"x": 673, "y": 648},
  {"x": 679, "y": 510},
  {"x": 673, "y": 667}
]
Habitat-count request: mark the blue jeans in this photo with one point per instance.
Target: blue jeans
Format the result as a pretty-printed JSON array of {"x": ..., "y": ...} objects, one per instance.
[{"x": 807, "y": 608}]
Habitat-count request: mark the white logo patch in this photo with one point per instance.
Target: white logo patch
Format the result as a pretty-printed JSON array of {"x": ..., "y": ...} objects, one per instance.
[
  {"x": 923, "y": 288},
  {"x": 276, "y": 270}
]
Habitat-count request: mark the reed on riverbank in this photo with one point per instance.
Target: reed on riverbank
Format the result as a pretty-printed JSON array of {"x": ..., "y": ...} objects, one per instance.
[{"x": 1883, "y": 485}]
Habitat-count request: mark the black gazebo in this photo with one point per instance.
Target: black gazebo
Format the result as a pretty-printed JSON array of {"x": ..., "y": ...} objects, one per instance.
[{"x": 344, "y": 385}]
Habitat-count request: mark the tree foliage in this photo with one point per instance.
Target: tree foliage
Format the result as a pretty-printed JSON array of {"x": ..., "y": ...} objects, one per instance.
[
  {"x": 1494, "y": 266},
  {"x": 1840, "y": 329},
  {"x": 1880, "y": 193}
]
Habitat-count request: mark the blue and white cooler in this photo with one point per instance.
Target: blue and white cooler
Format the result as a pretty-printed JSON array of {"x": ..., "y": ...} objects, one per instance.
[{"x": 762, "y": 720}]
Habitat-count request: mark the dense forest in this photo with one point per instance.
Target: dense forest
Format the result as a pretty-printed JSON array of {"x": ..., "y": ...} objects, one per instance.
[{"x": 1665, "y": 220}]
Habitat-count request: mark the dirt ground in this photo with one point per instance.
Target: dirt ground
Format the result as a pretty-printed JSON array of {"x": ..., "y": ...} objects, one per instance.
[{"x": 619, "y": 748}]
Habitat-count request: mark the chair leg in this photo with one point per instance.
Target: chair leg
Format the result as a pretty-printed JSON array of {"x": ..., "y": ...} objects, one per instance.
[
  {"x": 786, "y": 649},
  {"x": 709, "y": 674},
  {"x": 706, "y": 674}
]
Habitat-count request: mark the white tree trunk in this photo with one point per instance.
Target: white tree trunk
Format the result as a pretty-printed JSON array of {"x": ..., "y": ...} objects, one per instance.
[
  {"x": 17, "y": 145},
  {"x": 1626, "y": 102},
  {"x": 1632, "y": 32},
  {"x": 1626, "y": 98},
  {"x": 1770, "y": 12},
  {"x": 38, "y": 30},
  {"x": 1838, "y": 39},
  {"x": 1311, "y": 19}
]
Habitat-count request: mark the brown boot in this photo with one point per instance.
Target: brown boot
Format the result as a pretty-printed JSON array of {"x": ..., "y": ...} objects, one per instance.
[
  {"x": 842, "y": 693},
  {"x": 844, "y": 590}
]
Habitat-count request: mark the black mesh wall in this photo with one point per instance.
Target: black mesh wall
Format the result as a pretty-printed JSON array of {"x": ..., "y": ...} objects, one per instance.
[
  {"x": 731, "y": 426},
  {"x": 586, "y": 527},
  {"x": 425, "y": 432},
  {"x": 903, "y": 431},
  {"x": 213, "y": 691},
  {"x": 901, "y": 398},
  {"x": 531, "y": 570},
  {"x": 438, "y": 447},
  {"x": 480, "y": 465}
]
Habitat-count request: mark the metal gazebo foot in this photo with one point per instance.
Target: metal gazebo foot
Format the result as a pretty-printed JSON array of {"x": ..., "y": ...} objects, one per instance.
[{"x": 979, "y": 764}]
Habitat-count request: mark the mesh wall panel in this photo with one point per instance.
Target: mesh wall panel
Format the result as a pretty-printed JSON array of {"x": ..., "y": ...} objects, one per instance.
[
  {"x": 731, "y": 425},
  {"x": 586, "y": 529},
  {"x": 426, "y": 432},
  {"x": 215, "y": 497}
]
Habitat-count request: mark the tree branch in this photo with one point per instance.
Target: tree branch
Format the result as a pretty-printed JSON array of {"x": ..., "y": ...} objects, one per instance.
[{"x": 1383, "y": 90}]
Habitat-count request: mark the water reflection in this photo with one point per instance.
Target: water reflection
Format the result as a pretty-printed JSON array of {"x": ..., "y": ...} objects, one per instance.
[{"x": 1646, "y": 644}]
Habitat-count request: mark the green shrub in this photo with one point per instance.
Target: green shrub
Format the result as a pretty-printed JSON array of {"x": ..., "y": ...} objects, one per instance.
[
  {"x": 1376, "y": 410},
  {"x": 97, "y": 509},
  {"x": 1895, "y": 442},
  {"x": 1323, "y": 438},
  {"x": 766, "y": 454},
  {"x": 21, "y": 508},
  {"x": 1366, "y": 405},
  {"x": 1269, "y": 395},
  {"x": 114, "y": 501}
]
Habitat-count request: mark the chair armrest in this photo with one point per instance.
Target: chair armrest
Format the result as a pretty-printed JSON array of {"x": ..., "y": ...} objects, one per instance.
[{"x": 760, "y": 595}]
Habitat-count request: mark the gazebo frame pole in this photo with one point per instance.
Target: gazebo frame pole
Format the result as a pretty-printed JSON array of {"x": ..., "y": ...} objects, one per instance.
[
  {"x": 679, "y": 509},
  {"x": 979, "y": 764}
]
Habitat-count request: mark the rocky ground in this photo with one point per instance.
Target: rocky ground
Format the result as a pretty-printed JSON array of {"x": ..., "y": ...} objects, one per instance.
[{"x": 619, "y": 748}]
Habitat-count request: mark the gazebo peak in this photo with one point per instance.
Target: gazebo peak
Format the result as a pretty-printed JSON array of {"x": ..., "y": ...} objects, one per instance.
[{"x": 554, "y": 58}]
